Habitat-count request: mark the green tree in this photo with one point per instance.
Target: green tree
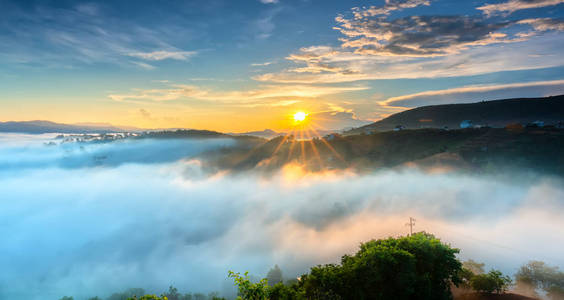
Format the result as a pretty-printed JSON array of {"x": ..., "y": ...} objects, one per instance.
[
  {"x": 67, "y": 298},
  {"x": 249, "y": 290},
  {"x": 492, "y": 282},
  {"x": 274, "y": 275},
  {"x": 281, "y": 291},
  {"x": 394, "y": 268},
  {"x": 129, "y": 293}
]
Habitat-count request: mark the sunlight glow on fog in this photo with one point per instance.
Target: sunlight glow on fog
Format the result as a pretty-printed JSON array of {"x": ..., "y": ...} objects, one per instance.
[{"x": 90, "y": 230}]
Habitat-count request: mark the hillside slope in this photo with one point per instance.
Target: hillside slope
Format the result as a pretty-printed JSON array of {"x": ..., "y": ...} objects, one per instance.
[{"x": 496, "y": 113}]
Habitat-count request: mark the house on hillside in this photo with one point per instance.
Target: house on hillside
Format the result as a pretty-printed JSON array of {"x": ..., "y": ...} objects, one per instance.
[
  {"x": 466, "y": 124},
  {"x": 536, "y": 124},
  {"x": 331, "y": 136},
  {"x": 399, "y": 127}
]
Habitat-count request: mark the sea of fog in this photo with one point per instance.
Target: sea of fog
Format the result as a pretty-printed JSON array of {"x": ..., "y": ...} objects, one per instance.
[{"x": 87, "y": 219}]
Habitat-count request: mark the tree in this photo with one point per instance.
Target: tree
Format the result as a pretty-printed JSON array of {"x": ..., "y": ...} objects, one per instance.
[
  {"x": 473, "y": 266},
  {"x": 470, "y": 268},
  {"x": 249, "y": 290},
  {"x": 172, "y": 293},
  {"x": 281, "y": 291},
  {"x": 537, "y": 274},
  {"x": 67, "y": 298},
  {"x": 200, "y": 296},
  {"x": 394, "y": 268},
  {"x": 129, "y": 293},
  {"x": 414, "y": 267},
  {"x": 148, "y": 297},
  {"x": 493, "y": 281},
  {"x": 274, "y": 276}
]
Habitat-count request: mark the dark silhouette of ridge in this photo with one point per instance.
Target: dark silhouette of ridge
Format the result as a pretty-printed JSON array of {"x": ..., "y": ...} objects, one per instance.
[{"x": 496, "y": 113}]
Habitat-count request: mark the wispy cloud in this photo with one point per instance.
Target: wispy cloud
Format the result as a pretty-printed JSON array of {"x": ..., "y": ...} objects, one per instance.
[
  {"x": 269, "y": 1},
  {"x": 143, "y": 65},
  {"x": 82, "y": 34},
  {"x": 268, "y": 63},
  {"x": 477, "y": 92},
  {"x": 163, "y": 54},
  {"x": 246, "y": 97},
  {"x": 390, "y": 6},
  {"x": 515, "y": 5}
]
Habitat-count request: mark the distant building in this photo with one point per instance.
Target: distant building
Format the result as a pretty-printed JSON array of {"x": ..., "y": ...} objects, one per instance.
[
  {"x": 399, "y": 127},
  {"x": 331, "y": 136},
  {"x": 514, "y": 126},
  {"x": 466, "y": 124}
]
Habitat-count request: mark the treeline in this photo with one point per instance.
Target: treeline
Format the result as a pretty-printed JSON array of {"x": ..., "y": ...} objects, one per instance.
[
  {"x": 139, "y": 293},
  {"x": 419, "y": 266}
]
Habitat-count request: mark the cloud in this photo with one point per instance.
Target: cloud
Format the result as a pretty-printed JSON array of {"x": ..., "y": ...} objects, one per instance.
[
  {"x": 189, "y": 227},
  {"x": 143, "y": 65},
  {"x": 528, "y": 49},
  {"x": 515, "y": 5},
  {"x": 268, "y": 63},
  {"x": 375, "y": 45},
  {"x": 390, "y": 6},
  {"x": 269, "y": 1},
  {"x": 162, "y": 55},
  {"x": 337, "y": 120},
  {"x": 68, "y": 36},
  {"x": 544, "y": 24},
  {"x": 264, "y": 26},
  {"x": 182, "y": 91},
  {"x": 419, "y": 35},
  {"x": 146, "y": 114},
  {"x": 478, "y": 92}
]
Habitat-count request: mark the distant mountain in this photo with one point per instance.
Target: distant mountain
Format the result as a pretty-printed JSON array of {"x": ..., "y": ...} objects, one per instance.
[
  {"x": 267, "y": 133},
  {"x": 52, "y": 127},
  {"x": 496, "y": 113}
]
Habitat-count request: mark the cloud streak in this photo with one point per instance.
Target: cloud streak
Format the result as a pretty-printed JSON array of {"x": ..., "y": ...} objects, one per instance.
[
  {"x": 163, "y": 54},
  {"x": 512, "y": 6},
  {"x": 265, "y": 92},
  {"x": 474, "y": 92}
]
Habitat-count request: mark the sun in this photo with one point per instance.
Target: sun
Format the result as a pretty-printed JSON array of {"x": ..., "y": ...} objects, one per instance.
[{"x": 300, "y": 116}]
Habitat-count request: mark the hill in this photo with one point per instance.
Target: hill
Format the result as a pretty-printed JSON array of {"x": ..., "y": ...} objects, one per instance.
[
  {"x": 496, "y": 113},
  {"x": 472, "y": 149},
  {"x": 37, "y": 127}
]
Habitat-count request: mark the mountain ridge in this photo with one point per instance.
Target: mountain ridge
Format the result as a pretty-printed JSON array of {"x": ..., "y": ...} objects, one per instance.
[{"x": 494, "y": 113}]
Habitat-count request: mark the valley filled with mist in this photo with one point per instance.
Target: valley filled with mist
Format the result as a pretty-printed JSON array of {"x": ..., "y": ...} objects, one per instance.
[{"x": 89, "y": 218}]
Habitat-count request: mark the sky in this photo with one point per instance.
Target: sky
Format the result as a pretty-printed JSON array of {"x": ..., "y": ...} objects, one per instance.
[{"x": 237, "y": 66}]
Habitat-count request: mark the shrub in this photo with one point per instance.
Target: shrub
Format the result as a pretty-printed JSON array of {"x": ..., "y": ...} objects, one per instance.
[{"x": 493, "y": 281}]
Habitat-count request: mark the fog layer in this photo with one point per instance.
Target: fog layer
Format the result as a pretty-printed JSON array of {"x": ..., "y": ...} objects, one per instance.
[{"x": 91, "y": 229}]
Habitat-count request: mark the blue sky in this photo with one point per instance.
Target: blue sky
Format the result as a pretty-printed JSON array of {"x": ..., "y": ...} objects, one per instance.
[{"x": 246, "y": 65}]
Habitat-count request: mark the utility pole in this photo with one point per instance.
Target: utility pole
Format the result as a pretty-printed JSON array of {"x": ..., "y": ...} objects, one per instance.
[{"x": 410, "y": 224}]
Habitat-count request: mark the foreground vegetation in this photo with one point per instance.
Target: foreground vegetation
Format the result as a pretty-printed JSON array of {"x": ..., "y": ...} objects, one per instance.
[{"x": 419, "y": 266}]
